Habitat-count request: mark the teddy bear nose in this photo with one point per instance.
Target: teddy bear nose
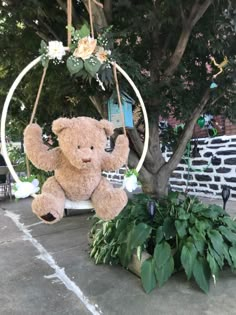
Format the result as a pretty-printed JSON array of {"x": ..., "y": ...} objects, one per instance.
[{"x": 86, "y": 160}]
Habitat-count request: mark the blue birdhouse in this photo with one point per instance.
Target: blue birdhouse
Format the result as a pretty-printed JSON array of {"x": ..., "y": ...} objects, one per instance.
[{"x": 114, "y": 114}]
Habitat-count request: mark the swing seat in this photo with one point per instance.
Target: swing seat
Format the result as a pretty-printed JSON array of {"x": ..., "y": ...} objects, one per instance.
[{"x": 78, "y": 205}]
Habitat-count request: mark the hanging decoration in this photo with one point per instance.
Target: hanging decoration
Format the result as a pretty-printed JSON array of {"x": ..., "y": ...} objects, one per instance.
[
  {"x": 201, "y": 122},
  {"x": 89, "y": 58},
  {"x": 114, "y": 112},
  {"x": 220, "y": 66}
]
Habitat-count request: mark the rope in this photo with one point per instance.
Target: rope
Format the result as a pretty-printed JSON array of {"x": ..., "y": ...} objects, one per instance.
[
  {"x": 69, "y": 21},
  {"x": 119, "y": 98},
  {"x": 38, "y": 95},
  {"x": 91, "y": 14},
  {"x": 34, "y": 112},
  {"x": 91, "y": 18}
]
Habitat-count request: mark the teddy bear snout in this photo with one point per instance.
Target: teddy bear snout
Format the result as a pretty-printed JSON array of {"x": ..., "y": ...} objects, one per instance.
[{"x": 86, "y": 160}]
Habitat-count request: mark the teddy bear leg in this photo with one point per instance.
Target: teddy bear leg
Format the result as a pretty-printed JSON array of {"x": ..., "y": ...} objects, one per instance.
[
  {"x": 49, "y": 206},
  {"x": 107, "y": 200}
]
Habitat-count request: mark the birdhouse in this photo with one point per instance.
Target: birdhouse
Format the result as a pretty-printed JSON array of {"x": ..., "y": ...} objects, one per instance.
[{"x": 114, "y": 114}]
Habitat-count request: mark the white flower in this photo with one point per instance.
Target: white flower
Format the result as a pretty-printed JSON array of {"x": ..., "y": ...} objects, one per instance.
[
  {"x": 130, "y": 183},
  {"x": 25, "y": 189},
  {"x": 56, "y": 50}
]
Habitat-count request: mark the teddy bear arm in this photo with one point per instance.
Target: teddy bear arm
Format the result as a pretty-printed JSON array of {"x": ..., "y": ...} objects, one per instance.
[
  {"x": 118, "y": 157},
  {"x": 39, "y": 153}
]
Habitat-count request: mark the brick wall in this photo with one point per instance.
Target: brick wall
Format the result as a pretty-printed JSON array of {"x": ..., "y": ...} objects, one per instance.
[{"x": 205, "y": 175}]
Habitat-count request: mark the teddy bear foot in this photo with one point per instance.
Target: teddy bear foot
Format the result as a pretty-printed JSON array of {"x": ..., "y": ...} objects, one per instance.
[
  {"x": 48, "y": 217},
  {"x": 48, "y": 208}
]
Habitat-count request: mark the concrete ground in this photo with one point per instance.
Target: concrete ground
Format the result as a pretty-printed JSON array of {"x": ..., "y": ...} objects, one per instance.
[{"x": 46, "y": 269}]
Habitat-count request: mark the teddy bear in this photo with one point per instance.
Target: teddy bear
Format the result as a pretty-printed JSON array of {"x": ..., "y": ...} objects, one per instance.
[{"x": 77, "y": 163}]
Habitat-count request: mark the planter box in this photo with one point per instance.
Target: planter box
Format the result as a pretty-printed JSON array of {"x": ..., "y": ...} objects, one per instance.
[{"x": 135, "y": 264}]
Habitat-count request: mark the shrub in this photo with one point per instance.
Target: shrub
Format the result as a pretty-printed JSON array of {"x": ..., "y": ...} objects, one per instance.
[{"x": 183, "y": 233}]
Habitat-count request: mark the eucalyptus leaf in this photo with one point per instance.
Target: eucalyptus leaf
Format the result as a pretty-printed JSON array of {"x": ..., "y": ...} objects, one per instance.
[
  {"x": 74, "y": 65},
  {"x": 92, "y": 65}
]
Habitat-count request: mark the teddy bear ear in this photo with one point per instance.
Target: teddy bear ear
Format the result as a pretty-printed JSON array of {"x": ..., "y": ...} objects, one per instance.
[
  {"x": 60, "y": 124},
  {"x": 107, "y": 126}
]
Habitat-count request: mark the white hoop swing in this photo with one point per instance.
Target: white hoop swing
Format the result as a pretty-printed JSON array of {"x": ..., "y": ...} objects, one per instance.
[{"x": 68, "y": 204}]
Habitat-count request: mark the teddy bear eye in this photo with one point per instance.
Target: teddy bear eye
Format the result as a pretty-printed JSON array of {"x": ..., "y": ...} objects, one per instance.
[
  {"x": 92, "y": 147},
  {"x": 78, "y": 147}
]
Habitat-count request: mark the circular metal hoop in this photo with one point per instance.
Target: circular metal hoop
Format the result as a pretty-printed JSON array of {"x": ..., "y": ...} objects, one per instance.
[{"x": 10, "y": 95}]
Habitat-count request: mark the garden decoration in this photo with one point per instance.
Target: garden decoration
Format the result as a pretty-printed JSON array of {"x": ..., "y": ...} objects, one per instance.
[
  {"x": 88, "y": 57},
  {"x": 225, "y": 195},
  {"x": 114, "y": 113},
  {"x": 207, "y": 121},
  {"x": 201, "y": 121},
  {"x": 220, "y": 66}
]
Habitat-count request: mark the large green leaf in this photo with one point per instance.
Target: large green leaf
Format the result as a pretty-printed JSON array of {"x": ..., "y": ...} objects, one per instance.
[
  {"x": 74, "y": 65},
  {"x": 162, "y": 254},
  {"x": 164, "y": 273},
  {"x": 232, "y": 252},
  {"x": 228, "y": 234},
  {"x": 188, "y": 256},
  {"x": 213, "y": 265},
  {"x": 139, "y": 235},
  {"x": 148, "y": 275},
  {"x": 181, "y": 227},
  {"x": 217, "y": 257},
  {"x": 84, "y": 31},
  {"x": 125, "y": 254},
  {"x": 199, "y": 240},
  {"x": 169, "y": 229},
  {"x": 92, "y": 65},
  {"x": 159, "y": 234},
  {"x": 201, "y": 273},
  {"x": 216, "y": 241}
]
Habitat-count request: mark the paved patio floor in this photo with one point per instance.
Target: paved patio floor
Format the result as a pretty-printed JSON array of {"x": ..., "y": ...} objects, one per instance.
[{"x": 46, "y": 269}]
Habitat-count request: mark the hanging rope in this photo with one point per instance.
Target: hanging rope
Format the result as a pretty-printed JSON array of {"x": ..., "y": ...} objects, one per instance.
[
  {"x": 69, "y": 21},
  {"x": 34, "y": 112},
  {"x": 38, "y": 95},
  {"x": 91, "y": 14},
  {"x": 119, "y": 98}
]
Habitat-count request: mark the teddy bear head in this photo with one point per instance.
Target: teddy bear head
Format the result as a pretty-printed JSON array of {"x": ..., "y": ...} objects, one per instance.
[{"x": 83, "y": 140}]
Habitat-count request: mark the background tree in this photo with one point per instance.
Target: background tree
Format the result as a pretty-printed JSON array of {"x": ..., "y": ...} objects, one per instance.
[{"x": 165, "y": 45}]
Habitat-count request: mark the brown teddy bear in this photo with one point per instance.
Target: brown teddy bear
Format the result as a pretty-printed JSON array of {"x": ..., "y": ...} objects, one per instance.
[{"x": 77, "y": 164}]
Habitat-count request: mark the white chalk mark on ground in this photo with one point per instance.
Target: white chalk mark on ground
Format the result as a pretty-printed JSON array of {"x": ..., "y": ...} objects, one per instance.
[
  {"x": 59, "y": 272},
  {"x": 37, "y": 223}
]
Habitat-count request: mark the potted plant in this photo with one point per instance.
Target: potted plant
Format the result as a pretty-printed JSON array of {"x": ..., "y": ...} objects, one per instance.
[{"x": 183, "y": 233}]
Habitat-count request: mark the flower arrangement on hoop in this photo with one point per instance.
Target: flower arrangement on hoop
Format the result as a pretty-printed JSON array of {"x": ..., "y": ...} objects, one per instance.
[{"x": 88, "y": 57}]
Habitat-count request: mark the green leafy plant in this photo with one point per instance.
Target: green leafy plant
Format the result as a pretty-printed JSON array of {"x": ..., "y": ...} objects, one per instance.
[{"x": 183, "y": 234}]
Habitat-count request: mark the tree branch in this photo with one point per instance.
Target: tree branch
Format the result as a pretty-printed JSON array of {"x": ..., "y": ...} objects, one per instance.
[
  {"x": 99, "y": 17},
  {"x": 63, "y": 5},
  {"x": 197, "y": 12},
  {"x": 187, "y": 134}
]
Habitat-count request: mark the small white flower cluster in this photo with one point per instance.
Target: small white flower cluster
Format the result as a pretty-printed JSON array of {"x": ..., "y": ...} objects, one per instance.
[
  {"x": 130, "y": 183},
  {"x": 25, "y": 189},
  {"x": 56, "y": 50}
]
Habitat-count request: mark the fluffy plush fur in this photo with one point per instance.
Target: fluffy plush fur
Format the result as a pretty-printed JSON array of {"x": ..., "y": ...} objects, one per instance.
[{"x": 77, "y": 162}]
